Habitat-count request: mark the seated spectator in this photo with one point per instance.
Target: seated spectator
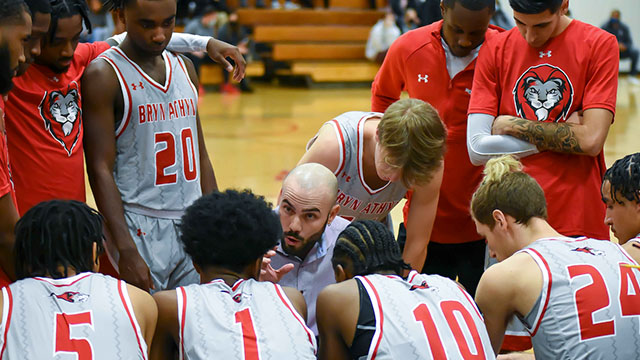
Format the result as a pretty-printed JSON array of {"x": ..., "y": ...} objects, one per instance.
[
  {"x": 381, "y": 36},
  {"x": 375, "y": 312},
  {"x": 623, "y": 35},
  {"x": 231, "y": 315},
  {"x": 60, "y": 308},
  {"x": 308, "y": 209}
]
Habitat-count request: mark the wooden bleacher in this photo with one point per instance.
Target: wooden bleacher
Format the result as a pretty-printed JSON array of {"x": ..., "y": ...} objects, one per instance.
[{"x": 324, "y": 45}]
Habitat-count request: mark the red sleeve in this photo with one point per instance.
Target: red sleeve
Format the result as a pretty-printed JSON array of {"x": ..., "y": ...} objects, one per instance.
[
  {"x": 601, "y": 86},
  {"x": 5, "y": 181},
  {"x": 89, "y": 51},
  {"x": 390, "y": 79},
  {"x": 485, "y": 93}
]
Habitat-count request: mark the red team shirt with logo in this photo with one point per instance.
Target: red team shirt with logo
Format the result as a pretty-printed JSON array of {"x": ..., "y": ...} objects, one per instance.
[
  {"x": 417, "y": 63},
  {"x": 44, "y": 131},
  {"x": 576, "y": 70}
]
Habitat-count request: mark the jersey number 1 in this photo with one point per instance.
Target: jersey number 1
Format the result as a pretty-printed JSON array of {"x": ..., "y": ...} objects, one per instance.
[
  {"x": 249, "y": 338},
  {"x": 64, "y": 342},
  {"x": 167, "y": 157}
]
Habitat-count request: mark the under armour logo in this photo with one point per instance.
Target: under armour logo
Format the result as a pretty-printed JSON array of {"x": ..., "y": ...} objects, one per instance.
[
  {"x": 134, "y": 86},
  {"x": 468, "y": 91},
  {"x": 55, "y": 79},
  {"x": 424, "y": 78},
  {"x": 140, "y": 232},
  {"x": 543, "y": 54}
]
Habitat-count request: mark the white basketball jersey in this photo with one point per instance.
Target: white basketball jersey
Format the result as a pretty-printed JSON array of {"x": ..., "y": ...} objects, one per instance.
[
  {"x": 357, "y": 200},
  {"x": 88, "y": 316},
  {"x": 424, "y": 317},
  {"x": 589, "y": 307},
  {"x": 157, "y": 156},
  {"x": 251, "y": 320}
]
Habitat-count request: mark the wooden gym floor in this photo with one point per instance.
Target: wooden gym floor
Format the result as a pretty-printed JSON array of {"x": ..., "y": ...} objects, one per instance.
[{"x": 254, "y": 139}]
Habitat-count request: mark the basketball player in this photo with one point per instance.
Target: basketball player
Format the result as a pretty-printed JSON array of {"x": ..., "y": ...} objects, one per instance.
[
  {"x": 59, "y": 307},
  {"x": 435, "y": 63},
  {"x": 529, "y": 82},
  {"x": 44, "y": 110},
  {"x": 155, "y": 163},
  {"x": 307, "y": 210},
  {"x": 40, "y": 19},
  {"x": 373, "y": 312},
  {"x": 230, "y": 314},
  {"x": 15, "y": 27},
  {"x": 377, "y": 157},
  {"x": 621, "y": 194},
  {"x": 578, "y": 298}
]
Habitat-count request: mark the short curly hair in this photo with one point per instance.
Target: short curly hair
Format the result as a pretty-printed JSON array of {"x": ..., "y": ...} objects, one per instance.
[{"x": 229, "y": 229}]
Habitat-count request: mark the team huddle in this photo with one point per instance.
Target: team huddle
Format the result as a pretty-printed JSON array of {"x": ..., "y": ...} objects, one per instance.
[{"x": 171, "y": 267}]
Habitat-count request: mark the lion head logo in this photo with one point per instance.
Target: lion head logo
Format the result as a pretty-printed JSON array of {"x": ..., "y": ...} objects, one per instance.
[
  {"x": 62, "y": 116},
  {"x": 544, "y": 92}
]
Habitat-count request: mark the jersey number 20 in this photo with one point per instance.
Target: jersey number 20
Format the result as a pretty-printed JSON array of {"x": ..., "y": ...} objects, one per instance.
[{"x": 167, "y": 157}]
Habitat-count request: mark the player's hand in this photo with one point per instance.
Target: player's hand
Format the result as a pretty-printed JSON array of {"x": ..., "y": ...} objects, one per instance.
[
  {"x": 219, "y": 50},
  {"x": 516, "y": 356},
  {"x": 268, "y": 273},
  {"x": 134, "y": 270}
]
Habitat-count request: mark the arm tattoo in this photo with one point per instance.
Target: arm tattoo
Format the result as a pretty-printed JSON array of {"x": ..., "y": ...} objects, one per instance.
[{"x": 557, "y": 137}]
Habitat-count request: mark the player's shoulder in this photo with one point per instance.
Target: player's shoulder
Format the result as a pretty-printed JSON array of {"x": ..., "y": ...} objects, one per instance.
[
  {"x": 416, "y": 39},
  {"x": 339, "y": 293}
]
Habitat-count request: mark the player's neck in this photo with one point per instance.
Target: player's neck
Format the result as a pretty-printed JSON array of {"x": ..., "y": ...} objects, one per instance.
[
  {"x": 536, "y": 229},
  {"x": 139, "y": 56},
  {"x": 226, "y": 275},
  {"x": 562, "y": 26}
]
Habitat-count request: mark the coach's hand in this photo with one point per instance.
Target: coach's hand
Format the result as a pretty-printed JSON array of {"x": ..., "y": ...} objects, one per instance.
[
  {"x": 219, "y": 50},
  {"x": 134, "y": 270},
  {"x": 268, "y": 273}
]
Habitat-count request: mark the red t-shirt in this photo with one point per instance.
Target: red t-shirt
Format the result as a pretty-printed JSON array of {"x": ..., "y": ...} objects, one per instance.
[
  {"x": 6, "y": 183},
  {"x": 417, "y": 63},
  {"x": 576, "y": 70},
  {"x": 44, "y": 131}
]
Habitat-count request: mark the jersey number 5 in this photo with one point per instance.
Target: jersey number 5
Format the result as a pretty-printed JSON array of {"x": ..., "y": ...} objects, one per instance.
[
  {"x": 595, "y": 296},
  {"x": 249, "y": 338},
  {"x": 167, "y": 157},
  {"x": 62, "y": 330},
  {"x": 449, "y": 308}
]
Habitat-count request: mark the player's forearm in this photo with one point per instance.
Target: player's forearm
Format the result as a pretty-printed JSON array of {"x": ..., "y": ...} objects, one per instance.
[
  {"x": 558, "y": 137},
  {"x": 415, "y": 251},
  {"x": 109, "y": 203},
  {"x": 482, "y": 145}
]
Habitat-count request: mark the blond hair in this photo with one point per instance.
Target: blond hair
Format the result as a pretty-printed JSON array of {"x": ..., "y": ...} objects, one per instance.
[
  {"x": 414, "y": 137},
  {"x": 507, "y": 188}
]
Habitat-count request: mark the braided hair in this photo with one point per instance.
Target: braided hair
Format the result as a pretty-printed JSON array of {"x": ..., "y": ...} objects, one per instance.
[
  {"x": 62, "y": 9},
  {"x": 113, "y": 5},
  {"x": 624, "y": 177},
  {"x": 370, "y": 247},
  {"x": 57, "y": 234}
]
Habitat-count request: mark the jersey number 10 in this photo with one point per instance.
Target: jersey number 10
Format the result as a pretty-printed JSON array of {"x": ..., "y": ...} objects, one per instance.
[{"x": 167, "y": 157}]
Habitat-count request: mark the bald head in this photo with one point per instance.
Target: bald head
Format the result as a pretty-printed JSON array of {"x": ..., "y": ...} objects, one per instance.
[{"x": 313, "y": 177}]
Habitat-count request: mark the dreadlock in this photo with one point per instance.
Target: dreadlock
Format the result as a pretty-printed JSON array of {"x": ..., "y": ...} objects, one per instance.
[
  {"x": 62, "y": 9},
  {"x": 55, "y": 234},
  {"x": 112, "y": 5},
  {"x": 371, "y": 248},
  {"x": 624, "y": 177},
  {"x": 11, "y": 11}
]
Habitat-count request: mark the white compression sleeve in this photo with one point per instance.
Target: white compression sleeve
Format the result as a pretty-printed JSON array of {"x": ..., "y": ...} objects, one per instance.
[
  {"x": 180, "y": 42},
  {"x": 482, "y": 146}
]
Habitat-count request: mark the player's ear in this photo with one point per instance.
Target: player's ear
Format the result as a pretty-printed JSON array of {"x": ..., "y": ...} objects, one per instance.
[
  {"x": 442, "y": 8},
  {"x": 96, "y": 259},
  {"x": 340, "y": 273},
  {"x": 500, "y": 219},
  {"x": 564, "y": 8},
  {"x": 120, "y": 15}
]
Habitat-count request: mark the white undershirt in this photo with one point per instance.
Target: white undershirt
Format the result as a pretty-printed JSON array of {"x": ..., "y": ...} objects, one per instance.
[{"x": 456, "y": 64}]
